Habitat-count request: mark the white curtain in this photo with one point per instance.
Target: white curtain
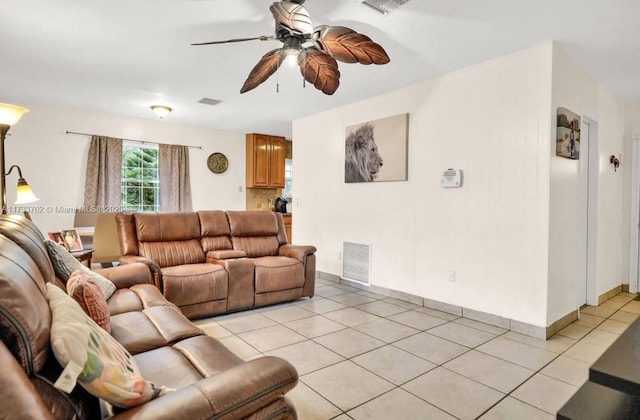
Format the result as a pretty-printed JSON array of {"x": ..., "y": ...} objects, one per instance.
[
  {"x": 173, "y": 173},
  {"x": 104, "y": 171}
]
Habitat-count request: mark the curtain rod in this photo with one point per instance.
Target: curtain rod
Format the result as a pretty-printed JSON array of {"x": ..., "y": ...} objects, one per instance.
[{"x": 133, "y": 140}]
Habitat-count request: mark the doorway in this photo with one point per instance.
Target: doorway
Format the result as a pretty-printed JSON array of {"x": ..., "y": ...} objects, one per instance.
[{"x": 588, "y": 229}]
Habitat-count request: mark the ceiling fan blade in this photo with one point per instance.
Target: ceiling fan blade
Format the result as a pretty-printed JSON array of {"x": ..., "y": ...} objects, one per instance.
[
  {"x": 320, "y": 69},
  {"x": 293, "y": 17},
  {"x": 346, "y": 45},
  {"x": 267, "y": 65},
  {"x": 261, "y": 38}
]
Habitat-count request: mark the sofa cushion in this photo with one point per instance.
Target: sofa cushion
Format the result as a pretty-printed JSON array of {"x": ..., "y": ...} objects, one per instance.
[
  {"x": 136, "y": 298},
  {"x": 64, "y": 264},
  {"x": 168, "y": 254},
  {"x": 254, "y": 232},
  {"x": 169, "y": 238},
  {"x": 23, "y": 232},
  {"x": 278, "y": 273},
  {"x": 151, "y": 328},
  {"x": 214, "y": 230},
  {"x": 23, "y": 303},
  {"x": 186, "y": 362},
  {"x": 107, "y": 370},
  {"x": 195, "y": 283},
  {"x": 84, "y": 290},
  {"x": 252, "y": 223},
  {"x": 167, "y": 227},
  {"x": 257, "y": 246}
]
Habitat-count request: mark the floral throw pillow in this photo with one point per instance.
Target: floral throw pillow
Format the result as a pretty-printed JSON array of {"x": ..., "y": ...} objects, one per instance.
[
  {"x": 106, "y": 369},
  {"x": 84, "y": 290},
  {"x": 64, "y": 264}
]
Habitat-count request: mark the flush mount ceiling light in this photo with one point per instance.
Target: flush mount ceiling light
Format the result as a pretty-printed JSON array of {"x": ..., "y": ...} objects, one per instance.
[{"x": 161, "y": 110}]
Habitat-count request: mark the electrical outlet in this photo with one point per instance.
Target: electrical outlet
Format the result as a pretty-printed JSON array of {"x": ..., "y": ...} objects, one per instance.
[
  {"x": 452, "y": 276},
  {"x": 240, "y": 188},
  {"x": 339, "y": 256}
]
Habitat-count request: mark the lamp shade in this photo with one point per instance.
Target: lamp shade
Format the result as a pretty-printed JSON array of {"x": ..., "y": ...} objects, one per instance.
[
  {"x": 24, "y": 194},
  {"x": 11, "y": 114}
]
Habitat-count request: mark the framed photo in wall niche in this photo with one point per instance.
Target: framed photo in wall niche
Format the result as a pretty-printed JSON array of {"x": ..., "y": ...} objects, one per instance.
[
  {"x": 568, "y": 134},
  {"x": 376, "y": 151}
]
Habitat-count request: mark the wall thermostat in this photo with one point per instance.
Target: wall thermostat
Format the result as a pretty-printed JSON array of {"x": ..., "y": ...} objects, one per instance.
[{"x": 451, "y": 178}]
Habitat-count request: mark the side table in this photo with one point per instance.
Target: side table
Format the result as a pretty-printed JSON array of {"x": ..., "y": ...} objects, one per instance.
[{"x": 84, "y": 255}]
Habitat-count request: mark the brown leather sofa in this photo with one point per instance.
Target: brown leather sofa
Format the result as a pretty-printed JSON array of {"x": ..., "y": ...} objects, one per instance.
[
  {"x": 210, "y": 381},
  {"x": 213, "y": 262}
]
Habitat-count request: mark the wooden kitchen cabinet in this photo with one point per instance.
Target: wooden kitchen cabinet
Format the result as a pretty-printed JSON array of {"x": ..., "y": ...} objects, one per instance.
[
  {"x": 265, "y": 161},
  {"x": 287, "y": 226}
]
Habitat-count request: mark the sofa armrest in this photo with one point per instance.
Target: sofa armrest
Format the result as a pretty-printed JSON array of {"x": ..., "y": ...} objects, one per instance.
[
  {"x": 240, "y": 289},
  {"x": 127, "y": 275},
  {"x": 299, "y": 252},
  {"x": 224, "y": 254},
  {"x": 20, "y": 399},
  {"x": 235, "y": 393},
  {"x": 153, "y": 266}
]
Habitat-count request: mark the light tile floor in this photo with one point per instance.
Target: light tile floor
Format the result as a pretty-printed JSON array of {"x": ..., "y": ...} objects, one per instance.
[{"x": 365, "y": 356}]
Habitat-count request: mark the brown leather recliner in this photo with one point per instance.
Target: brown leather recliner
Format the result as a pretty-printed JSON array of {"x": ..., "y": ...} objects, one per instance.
[
  {"x": 213, "y": 262},
  {"x": 281, "y": 270},
  {"x": 210, "y": 381}
]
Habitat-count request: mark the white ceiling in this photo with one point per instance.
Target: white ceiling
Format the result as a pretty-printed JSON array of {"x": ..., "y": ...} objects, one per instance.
[{"x": 121, "y": 56}]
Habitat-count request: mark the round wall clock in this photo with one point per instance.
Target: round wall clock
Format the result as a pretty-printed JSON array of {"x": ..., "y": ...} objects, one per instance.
[{"x": 217, "y": 163}]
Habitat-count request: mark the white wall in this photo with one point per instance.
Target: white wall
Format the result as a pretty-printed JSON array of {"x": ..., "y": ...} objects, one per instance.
[
  {"x": 632, "y": 131},
  {"x": 492, "y": 121},
  {"x": 54, "y": 163},
  {"x": 575, "y": 90}
]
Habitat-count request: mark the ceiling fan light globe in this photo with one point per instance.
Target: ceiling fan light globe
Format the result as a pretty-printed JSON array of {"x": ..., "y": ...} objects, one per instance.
[
  {"x": 292, "y": 52},
  {"x": 292, "y": 46},
  {"x": 291, "y": 60}
]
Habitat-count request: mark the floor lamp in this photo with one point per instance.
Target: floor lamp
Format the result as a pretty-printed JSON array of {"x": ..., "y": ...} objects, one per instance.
[{"x": 9, "y": 115}]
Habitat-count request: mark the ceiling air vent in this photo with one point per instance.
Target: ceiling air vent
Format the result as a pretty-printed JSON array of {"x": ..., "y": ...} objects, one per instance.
[
  {"x": 209, "y": 101},
  {"x": 384, "y": 6}
]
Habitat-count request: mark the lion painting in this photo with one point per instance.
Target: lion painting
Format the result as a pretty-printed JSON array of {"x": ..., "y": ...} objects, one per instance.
[{"x": 362, "y": 162}]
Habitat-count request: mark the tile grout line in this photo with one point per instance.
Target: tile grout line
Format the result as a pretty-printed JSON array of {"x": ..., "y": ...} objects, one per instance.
[
  {"x": 418, "y": 332},
  {"x": 539, "y": 371}
]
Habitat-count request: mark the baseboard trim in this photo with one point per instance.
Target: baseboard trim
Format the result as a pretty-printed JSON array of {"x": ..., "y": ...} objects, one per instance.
[
  {"x": 611, "y": 293},
  {"x": 328, "y": 277},
  {"x": 561, "y": 323},
  {"x": 491, "y": 319}
]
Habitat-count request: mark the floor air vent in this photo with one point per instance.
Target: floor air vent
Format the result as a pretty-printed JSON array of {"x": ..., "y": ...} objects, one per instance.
[{"x": 356, "y": 262}]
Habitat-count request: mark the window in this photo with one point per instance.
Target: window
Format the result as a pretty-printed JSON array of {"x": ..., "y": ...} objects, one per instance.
[
  {"x": 140, "y": 188},
  {"x": 288, "y": 177}
]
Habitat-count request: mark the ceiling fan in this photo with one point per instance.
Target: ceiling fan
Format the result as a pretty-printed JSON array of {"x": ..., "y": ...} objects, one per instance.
[{"x": 317, "y": 48}]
